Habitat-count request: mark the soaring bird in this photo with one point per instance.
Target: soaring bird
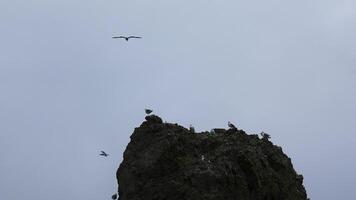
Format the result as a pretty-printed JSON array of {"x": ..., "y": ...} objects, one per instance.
[
  {"x": 232, "y": 126},
  {"x": 127, "y": 38},
  {"x": 148, "y": 111},
  {"x": 104, "y": 154}
]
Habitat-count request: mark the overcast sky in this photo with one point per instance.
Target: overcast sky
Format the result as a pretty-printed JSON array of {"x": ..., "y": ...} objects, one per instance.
[{"x": 67, "y": 90}]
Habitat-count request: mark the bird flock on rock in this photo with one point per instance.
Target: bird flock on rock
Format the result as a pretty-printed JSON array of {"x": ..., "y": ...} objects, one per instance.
[
  {"x": 231, "y": 126},
  {"x": 192, "y": 130}
]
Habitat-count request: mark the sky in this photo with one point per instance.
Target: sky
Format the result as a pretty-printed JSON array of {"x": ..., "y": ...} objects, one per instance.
[{"x": 68, "y": 90}]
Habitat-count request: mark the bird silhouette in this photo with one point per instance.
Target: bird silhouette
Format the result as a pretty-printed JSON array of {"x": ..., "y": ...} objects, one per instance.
[
  {"x": 265, "y": 135},
  {"x": 104, "y": 154},
  {"x": 126, "y": 38},
  {"x": 148, "y": 111},
  {"x": 232, "y": 126}
]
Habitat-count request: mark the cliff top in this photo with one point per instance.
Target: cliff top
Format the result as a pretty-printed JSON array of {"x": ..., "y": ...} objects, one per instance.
[{"x": 165, "y": 161}]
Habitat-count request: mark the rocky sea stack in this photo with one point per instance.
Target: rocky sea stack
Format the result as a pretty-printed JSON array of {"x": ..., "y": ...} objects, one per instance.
[{"x": 165, "y": 161}]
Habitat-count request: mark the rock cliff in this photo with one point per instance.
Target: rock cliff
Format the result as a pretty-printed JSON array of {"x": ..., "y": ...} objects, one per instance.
[{"x": 165, "y": 161}]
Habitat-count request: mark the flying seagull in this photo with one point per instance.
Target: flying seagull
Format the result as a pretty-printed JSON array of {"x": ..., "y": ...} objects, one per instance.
[
  {"x": 104, "y": 154},
  {"x": 126, "y": 38},
  {"x": 148, "y": 111},
  {"x": 232, "y": 126}
]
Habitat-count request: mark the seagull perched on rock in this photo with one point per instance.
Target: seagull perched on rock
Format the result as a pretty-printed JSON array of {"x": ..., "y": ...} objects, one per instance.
[
  {"x": 104, "y": 154},
  {"x": 148, "y": 111},
  {"x": 232, "y": 126},
  {"x": 126, "y": 38},
  {"x": 191, "y": 129},
  {"x": 265, "y": 136},
  {"x": 202, "y": 157}
]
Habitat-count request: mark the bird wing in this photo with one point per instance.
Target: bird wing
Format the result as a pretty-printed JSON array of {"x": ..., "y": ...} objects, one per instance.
[
  {"x": 103, "y": 152},
  {"x": 134, "y": 37},
  {"x": 115, "y": 37}
]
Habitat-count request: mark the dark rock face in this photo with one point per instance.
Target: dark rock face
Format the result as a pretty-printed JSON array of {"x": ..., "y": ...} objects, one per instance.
[{"x": 168, "y": 162}]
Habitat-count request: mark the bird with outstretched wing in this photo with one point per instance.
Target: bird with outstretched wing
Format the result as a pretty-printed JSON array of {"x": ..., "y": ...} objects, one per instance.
[
  {"x": 126, "y": 38},
  {"x": 104, "y": 154}
]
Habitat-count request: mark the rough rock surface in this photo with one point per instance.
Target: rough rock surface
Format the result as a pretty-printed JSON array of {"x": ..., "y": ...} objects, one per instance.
[{"x": 166, "y": 161}]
